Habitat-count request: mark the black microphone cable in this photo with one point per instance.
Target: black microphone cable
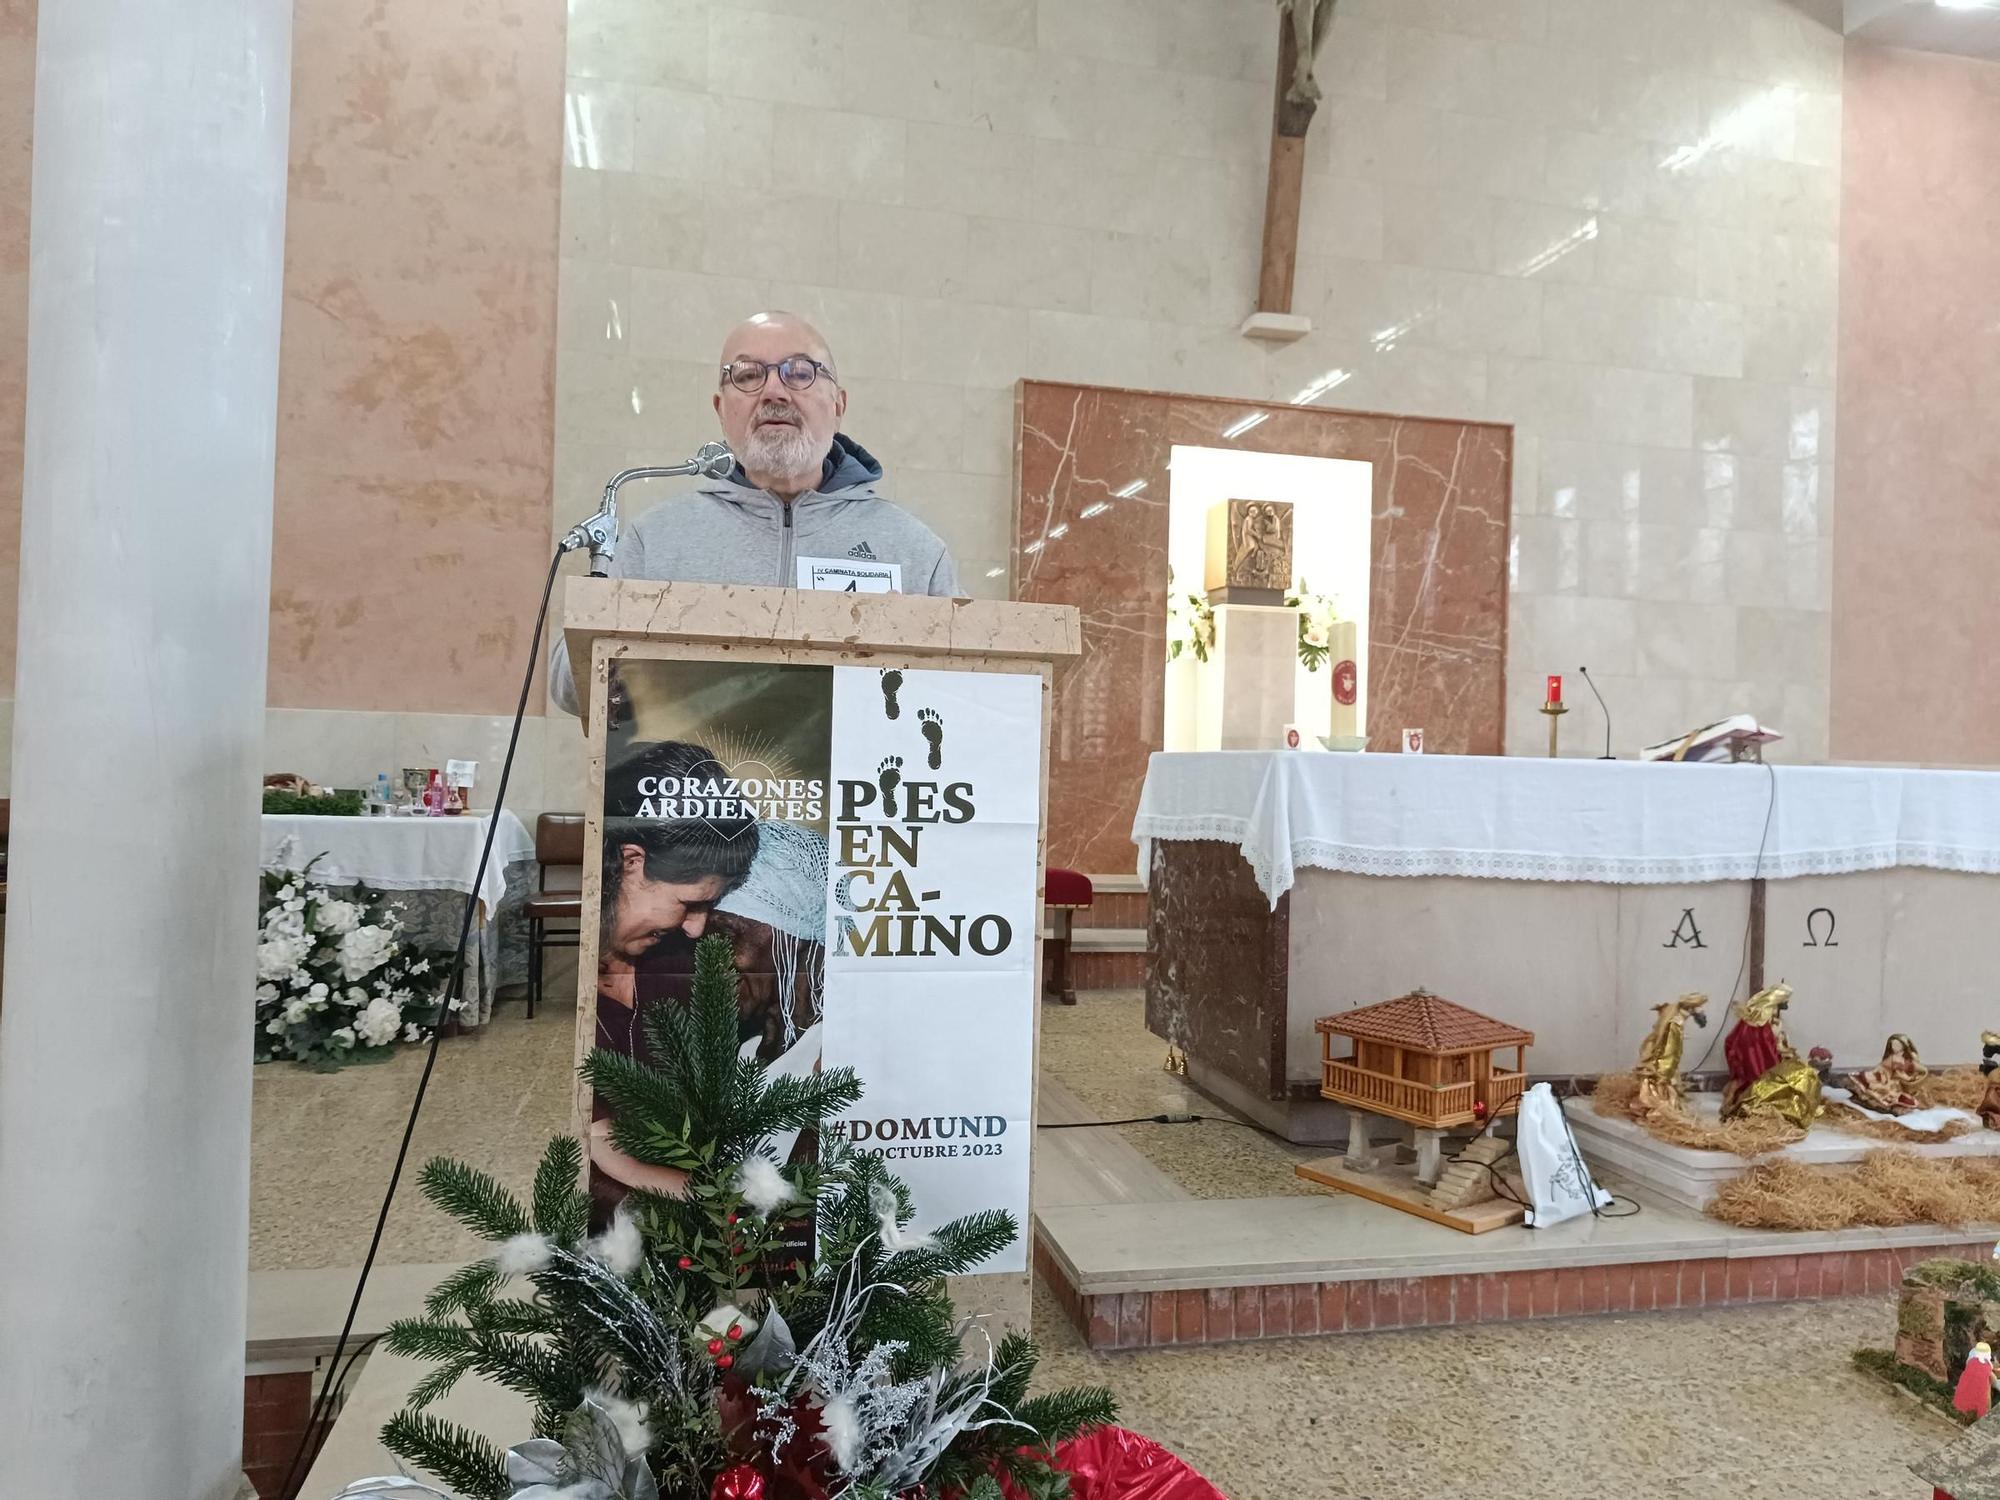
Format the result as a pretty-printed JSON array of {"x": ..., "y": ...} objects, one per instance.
[
  {"x": 1607, "y": 755},
  {"x": 454, "y": 991}
]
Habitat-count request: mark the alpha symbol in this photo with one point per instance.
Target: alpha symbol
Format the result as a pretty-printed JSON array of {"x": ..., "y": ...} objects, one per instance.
[{"x": 1685, "y": 931}]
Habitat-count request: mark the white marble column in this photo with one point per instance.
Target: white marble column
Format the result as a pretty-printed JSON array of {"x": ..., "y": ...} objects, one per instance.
[{"x": 156, "y": 264}]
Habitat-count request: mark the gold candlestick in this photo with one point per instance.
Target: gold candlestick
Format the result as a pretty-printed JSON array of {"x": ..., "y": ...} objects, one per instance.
[{"x": 1555, "y": 711}]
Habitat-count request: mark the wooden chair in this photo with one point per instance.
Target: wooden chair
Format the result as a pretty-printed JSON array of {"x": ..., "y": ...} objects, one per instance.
[
  {"x": 558, "y": 845},
  {"x": 1063, "y": 892}
]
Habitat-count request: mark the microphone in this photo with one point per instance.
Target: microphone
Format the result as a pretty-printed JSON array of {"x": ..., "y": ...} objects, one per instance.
[
  {"x": 1585, "y": 673},
  {"x": 600, "y": 532}
]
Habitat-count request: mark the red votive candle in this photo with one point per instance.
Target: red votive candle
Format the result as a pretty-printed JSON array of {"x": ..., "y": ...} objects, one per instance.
[{"x": 1555, "y": 692}]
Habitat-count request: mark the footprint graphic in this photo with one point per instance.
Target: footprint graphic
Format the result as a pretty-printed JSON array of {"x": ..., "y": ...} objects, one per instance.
[
  {"x": 890, "y": 776},
  {"x": 932, "y": 726},
  {"x": 892, "y": 682}
]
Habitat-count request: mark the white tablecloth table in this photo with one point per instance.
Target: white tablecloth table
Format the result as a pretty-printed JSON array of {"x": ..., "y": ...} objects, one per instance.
[
  {"x": 413, "y": 854},
  {"x": 1569, "y": 897},
  {"x": 1610, "y": 822}
]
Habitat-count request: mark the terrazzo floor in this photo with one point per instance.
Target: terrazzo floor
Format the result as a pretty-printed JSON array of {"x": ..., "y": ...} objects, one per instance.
[
  {"x": 322, "y": 1144},
  {"x": 1101, "y": 1051},
  {"x": 1672, "y": 1406},
  {"x": 1697, "y": 1406}
]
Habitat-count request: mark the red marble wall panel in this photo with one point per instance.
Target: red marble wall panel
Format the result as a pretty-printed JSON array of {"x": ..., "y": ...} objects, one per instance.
[{"x": 1438, "y": 585}]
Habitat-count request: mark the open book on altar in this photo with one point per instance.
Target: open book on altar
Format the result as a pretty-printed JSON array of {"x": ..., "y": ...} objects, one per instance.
[{"x": 1738, "y": 737}]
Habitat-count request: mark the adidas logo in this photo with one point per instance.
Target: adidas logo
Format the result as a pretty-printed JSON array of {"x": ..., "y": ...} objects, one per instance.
[{"x": 862, "y": 551}]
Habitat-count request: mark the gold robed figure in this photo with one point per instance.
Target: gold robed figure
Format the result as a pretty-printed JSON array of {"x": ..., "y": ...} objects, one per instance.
[
  {"x": 1661, "y": 1086},
  {"x": 1767, "y": 1075}
]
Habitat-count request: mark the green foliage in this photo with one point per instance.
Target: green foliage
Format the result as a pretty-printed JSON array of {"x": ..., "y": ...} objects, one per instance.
[
  {"x": 1968, "y": 1278},
  {"x": 291, "y": 804},
  {"x": 561, "y": 1208},
  {"x": 462, "y": 1459},
  {"x": 474, "y": 1199},
  {"x": 700, "y": 1107},
  {"x": 1023, "y": 1451},
  {"x": 1927, "y": 1388}
]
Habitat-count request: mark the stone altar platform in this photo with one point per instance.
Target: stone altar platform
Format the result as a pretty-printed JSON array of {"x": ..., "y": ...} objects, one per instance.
[
  {"x": 1136, "y": 1275},
  {"x": 1691, "y": 1179}
]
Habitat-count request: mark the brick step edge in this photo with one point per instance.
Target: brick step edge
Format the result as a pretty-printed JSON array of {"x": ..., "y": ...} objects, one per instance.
[{"x": 1217, "y": 1315}]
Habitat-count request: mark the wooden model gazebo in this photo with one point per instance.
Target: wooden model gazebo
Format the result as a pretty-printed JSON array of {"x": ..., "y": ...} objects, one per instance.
[
  {"x": 1428, "y": 1063},
  {"x": 1425, "y": 1061}
]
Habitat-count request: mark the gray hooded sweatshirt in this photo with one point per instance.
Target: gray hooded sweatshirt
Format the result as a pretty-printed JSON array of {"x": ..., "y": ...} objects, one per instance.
[{"x": 729, "y": 531}]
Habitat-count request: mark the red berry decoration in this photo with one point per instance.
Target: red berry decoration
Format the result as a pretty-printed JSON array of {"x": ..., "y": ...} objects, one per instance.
[
  {"x": 739, "y": 1482},
  {"x": 736, "y": 1330},
  {"x": 732, "y": 1218},
  {"x": 715, "y": 1346},
  {"x": 684, "y": 1262},
  {"x": 725, "y": 1362}
]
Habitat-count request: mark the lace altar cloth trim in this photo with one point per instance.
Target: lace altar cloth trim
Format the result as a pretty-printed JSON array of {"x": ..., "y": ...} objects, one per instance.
[{"x": 1618, "y": 823}]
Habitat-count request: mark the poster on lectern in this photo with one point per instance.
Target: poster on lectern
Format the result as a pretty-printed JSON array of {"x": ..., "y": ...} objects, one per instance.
[{"x": 867, "y": 840}]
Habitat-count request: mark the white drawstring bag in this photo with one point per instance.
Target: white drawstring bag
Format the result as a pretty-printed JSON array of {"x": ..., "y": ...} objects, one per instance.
[{"x": 1559, "y": 1184}]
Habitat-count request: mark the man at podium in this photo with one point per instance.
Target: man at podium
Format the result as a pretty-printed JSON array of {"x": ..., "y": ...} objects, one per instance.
[{"x": 801, "y": 509}]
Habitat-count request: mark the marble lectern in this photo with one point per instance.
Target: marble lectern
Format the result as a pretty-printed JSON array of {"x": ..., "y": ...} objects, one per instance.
[{"x": 901, "y": 742}]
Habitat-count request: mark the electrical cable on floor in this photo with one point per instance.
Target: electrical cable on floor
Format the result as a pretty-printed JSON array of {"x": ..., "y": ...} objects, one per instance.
[
  {"x": 454, "y": 991},
  {"x": 1177, "y": 1118}
]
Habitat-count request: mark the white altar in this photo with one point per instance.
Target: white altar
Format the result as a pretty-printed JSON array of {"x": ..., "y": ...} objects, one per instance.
[{"x": 1570, "y": 897}]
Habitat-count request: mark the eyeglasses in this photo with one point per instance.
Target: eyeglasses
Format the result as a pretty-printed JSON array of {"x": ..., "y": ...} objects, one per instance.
[{"x": 797, "y": 371}]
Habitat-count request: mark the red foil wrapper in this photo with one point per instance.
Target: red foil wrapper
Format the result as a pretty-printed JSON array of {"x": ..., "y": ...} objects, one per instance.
[
  {"x": 739, "y": 1482},
  {"x": 1114, "y": 1463}
]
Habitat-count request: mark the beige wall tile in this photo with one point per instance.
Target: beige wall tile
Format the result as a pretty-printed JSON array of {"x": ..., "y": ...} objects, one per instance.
[
  {"x": 657, "y": 42},
  {"x": 1030, "y": 265},
  {"x": 778, "y": 57},
  {"x": 963, "y": 343},
  {"x": 1006, "y": 23},
  {"x": 917, "y": 251}
]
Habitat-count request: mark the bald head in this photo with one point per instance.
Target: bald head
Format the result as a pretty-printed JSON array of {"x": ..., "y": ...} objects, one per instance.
[
  {"x": 780, "y": 433},
  {"x": 787, "y": 328}
]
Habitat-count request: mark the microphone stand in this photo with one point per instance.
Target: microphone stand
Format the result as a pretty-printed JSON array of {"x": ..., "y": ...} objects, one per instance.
[
  {"x": 1585, "y": 673},
  {"x": 600, "y": 532}
]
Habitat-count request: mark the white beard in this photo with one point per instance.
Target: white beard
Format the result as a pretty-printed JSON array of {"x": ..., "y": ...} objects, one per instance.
[{"x": 785, "y": 451}]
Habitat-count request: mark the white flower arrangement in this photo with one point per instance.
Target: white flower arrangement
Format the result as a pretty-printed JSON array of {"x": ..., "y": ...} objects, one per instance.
[
  {"x": 1190, "y": 623},
  {"x": 336, "y": 980},
  {"x": 1318, "y": 613}
]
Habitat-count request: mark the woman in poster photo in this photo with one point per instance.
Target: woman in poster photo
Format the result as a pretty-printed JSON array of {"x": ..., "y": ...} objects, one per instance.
[{"x": 666, "y": 884}]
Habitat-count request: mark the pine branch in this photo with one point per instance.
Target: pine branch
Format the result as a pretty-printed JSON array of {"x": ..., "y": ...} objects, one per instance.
[
  {"x": 650, "y": 1116},
  {"x": 529, "y": 1368},
  {"x": 1013, "y": 1367},
  {"x": 474, "y": 1199},
  {"x": 561, "y": 1209},
  {"x": 1064, "y": 1414},
  {"x": 694, "y": 1045},
  {"x": 512, "y": 1315},
  {"x": 465, "y": 1288},
  {"x": 809, "y": 1102},
  {"x": 462, "y": 1459},
  {"x": 435, "y": 1386},
  {"x": 956, "y": 1248},
  {"x": 433, "y": 1339}
]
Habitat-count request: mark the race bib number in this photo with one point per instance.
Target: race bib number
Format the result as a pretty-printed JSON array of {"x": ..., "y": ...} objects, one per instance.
[{"x": 845, "y": 575}]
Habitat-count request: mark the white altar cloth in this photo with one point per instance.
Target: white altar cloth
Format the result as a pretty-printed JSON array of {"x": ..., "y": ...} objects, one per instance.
[
  {"x": 400, "y": 854},
  {"x": 1521, "y": 818}
]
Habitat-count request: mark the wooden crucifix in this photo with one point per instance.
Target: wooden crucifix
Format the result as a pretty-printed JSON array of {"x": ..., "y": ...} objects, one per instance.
[{"x": 1302, "y": 31}]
